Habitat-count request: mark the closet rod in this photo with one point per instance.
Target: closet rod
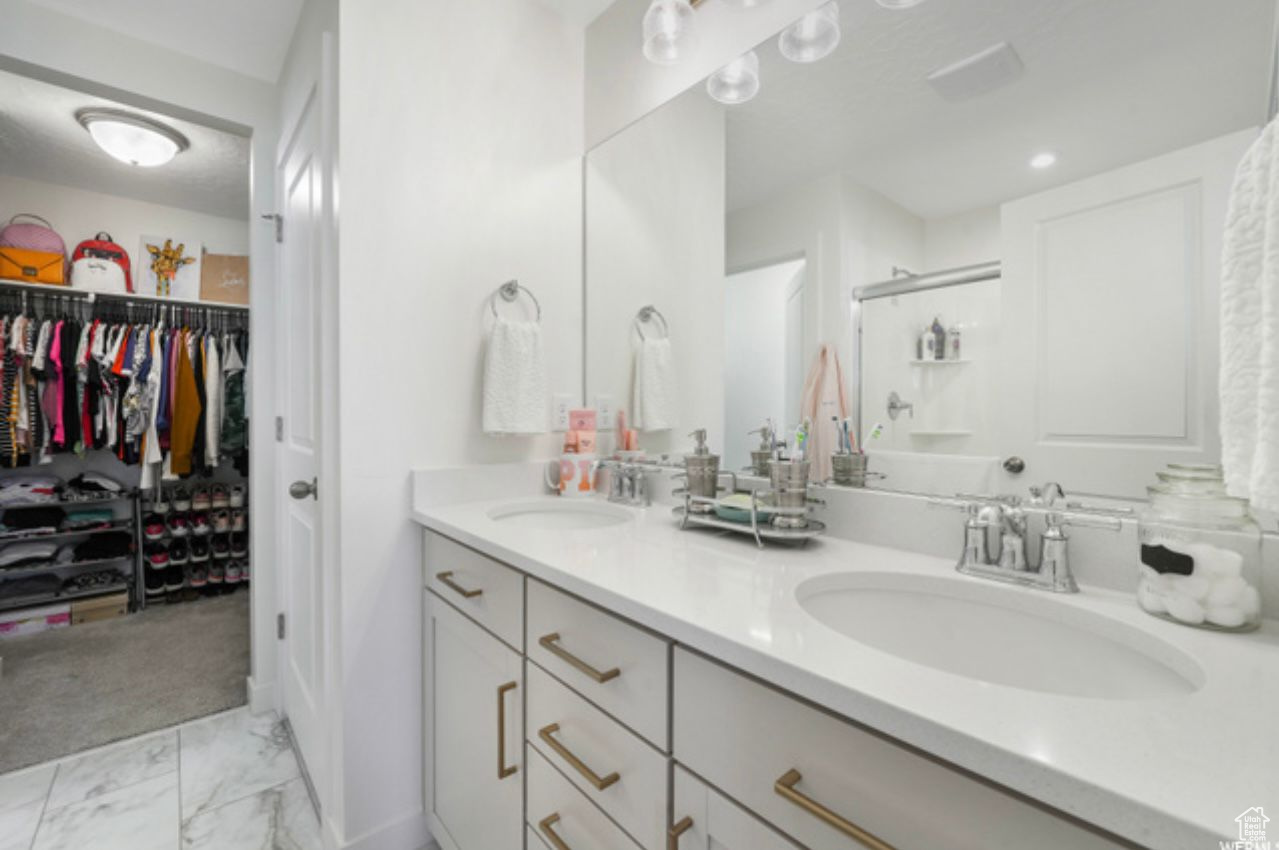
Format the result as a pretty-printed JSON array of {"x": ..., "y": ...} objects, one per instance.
[{"x": 130, "y": 297}]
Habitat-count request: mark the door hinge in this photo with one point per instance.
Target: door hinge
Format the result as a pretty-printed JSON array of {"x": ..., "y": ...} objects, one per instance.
[
  {"x": 279, "y": 224},
  {"x": 279, "y": 626},
  {"x": 279, "y": 429}
]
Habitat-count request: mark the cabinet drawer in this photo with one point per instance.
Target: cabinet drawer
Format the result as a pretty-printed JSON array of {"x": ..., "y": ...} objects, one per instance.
[
  {"x": 619, "y": 667},
  {"x": 488, "y": 592},
  {"x": 792, "y": 764},
  {"x": 559, "y": 813},
  {"x": 707, "y": 820},
  {"x": 593, "y": 749}
]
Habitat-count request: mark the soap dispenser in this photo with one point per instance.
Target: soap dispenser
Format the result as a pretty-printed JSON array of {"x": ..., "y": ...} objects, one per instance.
[
  {"x": 762, "y": 456},
  {"x": 701, "y": 468}
]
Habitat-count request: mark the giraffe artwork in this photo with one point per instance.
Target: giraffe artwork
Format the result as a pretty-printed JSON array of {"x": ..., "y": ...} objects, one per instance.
[{"x": 165, "y": 264}]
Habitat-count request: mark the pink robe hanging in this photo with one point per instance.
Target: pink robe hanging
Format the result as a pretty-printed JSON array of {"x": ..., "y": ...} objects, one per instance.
[{"x": 824, "y": 397}]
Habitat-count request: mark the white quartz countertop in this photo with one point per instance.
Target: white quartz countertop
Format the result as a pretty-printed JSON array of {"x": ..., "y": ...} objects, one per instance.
[{"x": 1169, "y": 772}]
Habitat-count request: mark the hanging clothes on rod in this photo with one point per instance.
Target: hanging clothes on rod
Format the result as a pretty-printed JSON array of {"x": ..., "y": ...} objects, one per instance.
[{"x": 160, "y": 386}]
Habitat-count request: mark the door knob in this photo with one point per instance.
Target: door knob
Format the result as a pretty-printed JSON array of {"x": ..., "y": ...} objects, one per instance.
[
  {"x": 1015, "y": 465},
  {"x": 302, "y": 489}
]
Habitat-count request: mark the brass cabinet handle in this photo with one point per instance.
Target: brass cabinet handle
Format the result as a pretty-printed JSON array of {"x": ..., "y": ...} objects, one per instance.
[
  {"x": 673, "y": 835},
  {"x": 446, "y": 579},
  {"x": 546, "y": 824},
  {"x": 502, "y": 770},
  {"x": 785, "y": 787},
  {"x": 547, "y": 734},
  {"x": 551, "y": 644}
]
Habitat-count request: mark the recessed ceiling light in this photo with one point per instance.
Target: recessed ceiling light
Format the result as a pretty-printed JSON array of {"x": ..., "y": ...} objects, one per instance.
[
  {"x": 132, "y": 138},
  {"x": 899, "y": 4},
  {"x": 1040, "y": 161}
]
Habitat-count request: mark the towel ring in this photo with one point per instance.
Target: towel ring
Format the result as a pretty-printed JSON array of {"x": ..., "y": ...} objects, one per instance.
[
  {"x": 510, "y": 291},
  {"x": 647, "y": 314}
]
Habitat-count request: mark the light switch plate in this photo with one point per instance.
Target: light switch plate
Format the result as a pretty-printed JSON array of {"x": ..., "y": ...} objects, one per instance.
[
  {"x": 560, "y": 405},
  {"x": 605, "y": 413}
]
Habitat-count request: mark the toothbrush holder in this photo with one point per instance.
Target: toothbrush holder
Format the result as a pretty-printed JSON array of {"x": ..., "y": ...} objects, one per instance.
[
  {"x": 849, "y": 470},
  {"x": 790, "y": 492}
]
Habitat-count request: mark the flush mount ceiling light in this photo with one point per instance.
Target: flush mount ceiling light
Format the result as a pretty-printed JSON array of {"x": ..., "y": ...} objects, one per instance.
[
  {"x": 813, "y": 36},
  {"x": 737, "y": 82},
  {"x": 669, "y": 35},
  {"x": 743, "y": 4},
  {"x": 1040, "y": 161},
  {"x": 898, "y": 4},
  {"x": 132, "y": 138}
]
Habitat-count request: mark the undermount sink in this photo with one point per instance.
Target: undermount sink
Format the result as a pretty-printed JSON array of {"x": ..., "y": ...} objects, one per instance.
[
  {"x": 560, "y": 515},
  {"x": 1005, "y": 636}
]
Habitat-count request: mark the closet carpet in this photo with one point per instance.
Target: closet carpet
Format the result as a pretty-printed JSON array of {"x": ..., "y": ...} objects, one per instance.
[{"x": 78, "y": 687}]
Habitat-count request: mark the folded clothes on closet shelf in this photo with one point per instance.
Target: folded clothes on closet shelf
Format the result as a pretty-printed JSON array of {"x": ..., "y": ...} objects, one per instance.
[
  {"x": 30, "y": 490},
  {"x": 44, "y": 519},
  {"x": 29, "y": 553}
]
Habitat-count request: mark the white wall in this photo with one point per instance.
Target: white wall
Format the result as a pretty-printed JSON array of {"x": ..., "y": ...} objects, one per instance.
[
  {"x": 77, "y": 215},
  {"x": 655, "y": 235},
  {"x": 622, "y": 86},
  {"x": 959, "y": 240},
  {"x": 461, "y": 168}
]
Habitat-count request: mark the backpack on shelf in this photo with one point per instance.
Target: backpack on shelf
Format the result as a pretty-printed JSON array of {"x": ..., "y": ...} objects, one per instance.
[{"x": 100, "y": 265}]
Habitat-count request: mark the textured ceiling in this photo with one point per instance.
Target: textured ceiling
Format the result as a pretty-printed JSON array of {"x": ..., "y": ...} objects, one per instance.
[
  {"x": 247, "y": 36},
  {"x": 40, "y": 140},
  {"x": 1107, "y": 82}
]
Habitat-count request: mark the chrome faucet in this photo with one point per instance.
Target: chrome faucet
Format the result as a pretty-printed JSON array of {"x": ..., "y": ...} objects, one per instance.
[
  {"x": 628, "y": 483},
  {"x": 1010, "y": 515}
]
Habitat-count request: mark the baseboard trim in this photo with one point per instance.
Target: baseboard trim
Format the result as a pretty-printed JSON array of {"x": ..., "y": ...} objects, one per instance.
[
  {"x": 261, "y": 696},
  {"x": 407, "y": 833}
]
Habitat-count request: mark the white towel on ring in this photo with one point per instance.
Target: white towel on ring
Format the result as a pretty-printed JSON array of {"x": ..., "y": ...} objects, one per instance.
[
  {"x": 515, "y": 385},
  {"x": 655, "y": 394},
  {"x": 1250, "y": 327}
]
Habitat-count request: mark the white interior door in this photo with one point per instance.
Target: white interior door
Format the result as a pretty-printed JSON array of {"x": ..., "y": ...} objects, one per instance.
[
  {"x": 301, "y": 182},
  {"x": 1110, "y": 303}
]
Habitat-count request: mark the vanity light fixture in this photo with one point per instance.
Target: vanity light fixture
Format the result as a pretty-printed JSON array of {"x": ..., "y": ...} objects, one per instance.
[
  {"x": 132, "y": 138},
  {"x": 813, "y": 36},
  {"x": 1040, "y": 161},
  {"x": 737, "y": 82},
  {"x": 669, "y": 33}
]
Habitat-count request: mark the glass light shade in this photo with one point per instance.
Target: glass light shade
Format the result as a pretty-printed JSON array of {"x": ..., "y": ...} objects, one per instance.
[
  {"x": 669, "y": 35},
  {"x": 813, "y": 36},
  {"x": 736, "y": 82},
  {"x": 743, "y": 4},
  {"x": 132, "y": 139},
  {"x": 898, "y": 4}
]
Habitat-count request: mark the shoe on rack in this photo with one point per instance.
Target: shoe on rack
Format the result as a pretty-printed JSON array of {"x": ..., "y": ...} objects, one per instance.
[
  {"x": 200, "y": 550},
  {"x": 160, "y": 503},
  {"x": 153, "y": 527},
  {"x": 200, "y": 500},
  {"x": 197, "y": 577},
  {"x": 239, "y": 520},
  {"x": 179, "y": 526},
  {"x": 233, "y": 573},
  {"x": 200, "y": 525},
  {"x": 157, "y": 556},
  {"x": 221, "y": 521},
  {"x": 219, "y": 496},
  {"x": 181, "y": 500},
  {"x": 244, "y": 571},
  {"x": 174, "y": 578},
  {"x": 179, "y": 554},
  {"x": 217, "y": 574},
  {"x": 239, "y": 545},
  {"x": 154, "y": 583},
  {"x": 220, "y": 547},
  {"x": 238, "y": 496}
]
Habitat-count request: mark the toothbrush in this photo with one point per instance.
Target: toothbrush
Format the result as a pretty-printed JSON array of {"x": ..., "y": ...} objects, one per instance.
[{"x": 839, "y": 435}]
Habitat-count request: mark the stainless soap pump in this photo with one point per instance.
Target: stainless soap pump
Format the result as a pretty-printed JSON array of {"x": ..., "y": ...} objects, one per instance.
[{"x": 702, "y": 470}]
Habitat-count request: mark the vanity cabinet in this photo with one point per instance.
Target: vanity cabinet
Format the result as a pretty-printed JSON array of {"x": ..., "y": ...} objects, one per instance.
[
  {"x": 474, "y": 730},
  {"x": 704, "y": 819}
]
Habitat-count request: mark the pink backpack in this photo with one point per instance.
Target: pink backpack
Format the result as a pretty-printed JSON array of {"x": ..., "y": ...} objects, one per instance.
[{"x": 32, "y": 237}]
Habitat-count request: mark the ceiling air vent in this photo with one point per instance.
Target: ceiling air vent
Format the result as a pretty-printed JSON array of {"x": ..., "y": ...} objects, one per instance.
[{"x": 981, "y": 73}]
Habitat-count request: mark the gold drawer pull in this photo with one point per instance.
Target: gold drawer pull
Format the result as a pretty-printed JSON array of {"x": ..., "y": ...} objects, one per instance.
[
  {"x": 551, "y": 644},
  {"x": 446, "y": 579},
  {"x": 673, "y": 836},
  {"x": 547, "y": 734},
  {"x": 546, "y": 824},
  {"x": 785, "y": 787},
  {"x": 503, "y": 770}
]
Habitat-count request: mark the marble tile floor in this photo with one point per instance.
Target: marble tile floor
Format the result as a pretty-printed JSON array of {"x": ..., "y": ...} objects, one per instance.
[{"x": 224, "y": 782}]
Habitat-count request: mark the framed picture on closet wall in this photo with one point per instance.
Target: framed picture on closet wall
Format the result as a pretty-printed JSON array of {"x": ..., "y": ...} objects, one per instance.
[
  {"x": 224, "y": 279},
  {"x": 170, "y": 266}
]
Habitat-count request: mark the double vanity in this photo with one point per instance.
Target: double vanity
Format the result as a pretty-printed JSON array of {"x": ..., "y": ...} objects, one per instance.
[{"x": 598, "y": 678}]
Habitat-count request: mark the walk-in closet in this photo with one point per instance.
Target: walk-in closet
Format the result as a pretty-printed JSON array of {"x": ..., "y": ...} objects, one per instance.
[{"x": 125, "y": 565}]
